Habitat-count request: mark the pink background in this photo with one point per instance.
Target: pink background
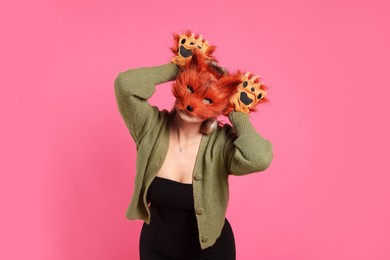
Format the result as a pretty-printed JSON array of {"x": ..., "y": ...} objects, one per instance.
[{"x": 68, "y": 162}]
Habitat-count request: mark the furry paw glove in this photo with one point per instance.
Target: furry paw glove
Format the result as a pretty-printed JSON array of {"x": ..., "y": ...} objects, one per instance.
[
  {"x": 250, "y": 92},
  {"x": 184, "y": 45}
]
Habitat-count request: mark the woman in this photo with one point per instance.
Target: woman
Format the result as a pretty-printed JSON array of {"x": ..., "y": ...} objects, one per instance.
[{"x": 184, "y": 158}]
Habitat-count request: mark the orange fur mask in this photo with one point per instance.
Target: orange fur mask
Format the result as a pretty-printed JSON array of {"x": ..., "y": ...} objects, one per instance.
[{"x": 201, "y": 90}]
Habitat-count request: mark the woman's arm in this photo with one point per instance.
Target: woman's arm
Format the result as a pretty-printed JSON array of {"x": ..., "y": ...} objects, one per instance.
[
  {"x": 246, "y": 151},
  {"x": 133, "y": 88}
]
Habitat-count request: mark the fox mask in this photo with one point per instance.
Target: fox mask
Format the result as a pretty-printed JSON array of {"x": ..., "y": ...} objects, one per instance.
[{"x": 201, "y": 90}]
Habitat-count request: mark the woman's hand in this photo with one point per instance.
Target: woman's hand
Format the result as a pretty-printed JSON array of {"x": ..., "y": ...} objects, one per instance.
[
  {"x": 184, "y": 45},
  {"x": 249, "y": 93}
]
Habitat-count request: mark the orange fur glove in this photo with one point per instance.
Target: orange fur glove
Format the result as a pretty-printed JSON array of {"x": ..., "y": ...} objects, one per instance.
[
  {"x": 184, "y": 45},
  {"x": 249, "y": 94}
]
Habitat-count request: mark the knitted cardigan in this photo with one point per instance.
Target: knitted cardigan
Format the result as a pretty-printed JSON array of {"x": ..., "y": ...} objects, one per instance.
[{"x": 236, "y": 150}]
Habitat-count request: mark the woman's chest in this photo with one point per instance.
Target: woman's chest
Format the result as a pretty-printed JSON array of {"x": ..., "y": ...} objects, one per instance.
[{"x": 179, "y": 165}]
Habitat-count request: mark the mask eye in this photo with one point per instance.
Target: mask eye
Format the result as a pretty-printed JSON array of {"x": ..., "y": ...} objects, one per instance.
[
  {"x": 190, "y": 89},
  {"x": 207, "y": 101}
]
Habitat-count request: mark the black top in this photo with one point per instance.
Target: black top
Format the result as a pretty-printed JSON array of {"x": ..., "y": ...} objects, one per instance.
[
  {"x": 173, "y": 231},
  {"x": 172, "y": 215}
]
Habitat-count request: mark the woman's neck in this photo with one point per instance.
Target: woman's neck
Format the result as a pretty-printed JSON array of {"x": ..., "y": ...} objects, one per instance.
[{"x": 186, "y": 132}]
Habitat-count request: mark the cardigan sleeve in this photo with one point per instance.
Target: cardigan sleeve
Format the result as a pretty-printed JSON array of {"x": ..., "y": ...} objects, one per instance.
[
  {"x": 245, "y": 150},
  {"x": 133, "y": 88}
]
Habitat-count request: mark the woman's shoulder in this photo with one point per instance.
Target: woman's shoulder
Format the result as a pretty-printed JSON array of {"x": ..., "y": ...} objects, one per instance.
[
  {"x": 159, "y": 122},
  {"x": 224, "y": 132}
]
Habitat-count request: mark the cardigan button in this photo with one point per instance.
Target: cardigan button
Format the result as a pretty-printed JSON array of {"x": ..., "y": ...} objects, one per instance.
[
  {"x": 199, "y": 211},
  {"x": 205, "y": 239},
  {"x": 198, "y": 177}
]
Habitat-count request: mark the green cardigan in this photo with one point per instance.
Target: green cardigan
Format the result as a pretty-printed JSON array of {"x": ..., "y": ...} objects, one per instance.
[{"x": 238, "y": 151}]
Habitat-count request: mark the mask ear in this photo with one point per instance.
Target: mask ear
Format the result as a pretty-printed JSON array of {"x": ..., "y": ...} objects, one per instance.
[
  {"x": 230, "y": 82},
  {"x": 197, "y": 61}
]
